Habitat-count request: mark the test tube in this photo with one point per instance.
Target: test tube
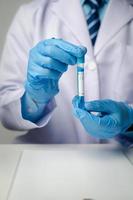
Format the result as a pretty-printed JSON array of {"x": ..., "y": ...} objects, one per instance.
[{"x": 80, "y": 79}]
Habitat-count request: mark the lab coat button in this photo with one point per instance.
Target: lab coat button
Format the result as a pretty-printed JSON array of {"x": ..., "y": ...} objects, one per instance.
[{"x": 92, "y": 65}]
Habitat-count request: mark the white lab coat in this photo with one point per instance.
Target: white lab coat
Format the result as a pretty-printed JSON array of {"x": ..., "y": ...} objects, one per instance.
[{"x": 108, "y": 67}]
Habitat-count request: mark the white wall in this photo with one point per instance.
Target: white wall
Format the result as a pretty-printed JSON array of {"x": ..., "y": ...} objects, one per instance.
[{"x": 8, "y": 9}]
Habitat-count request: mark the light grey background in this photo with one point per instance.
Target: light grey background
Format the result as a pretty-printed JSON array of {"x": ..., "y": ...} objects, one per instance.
[{"x": 8, "y": 9}]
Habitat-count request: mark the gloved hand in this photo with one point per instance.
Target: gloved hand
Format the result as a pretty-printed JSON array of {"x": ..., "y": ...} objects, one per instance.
[
  {"x": 113, "y": 118},
  {"x": 48, "y": 60}
]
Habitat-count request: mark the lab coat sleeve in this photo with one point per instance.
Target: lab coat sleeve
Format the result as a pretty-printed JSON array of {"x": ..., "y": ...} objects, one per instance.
[{"x": 13, "y": 71}]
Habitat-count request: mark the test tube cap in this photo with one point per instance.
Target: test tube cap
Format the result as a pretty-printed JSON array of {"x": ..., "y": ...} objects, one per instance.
[{"x": 80, "y": 60}]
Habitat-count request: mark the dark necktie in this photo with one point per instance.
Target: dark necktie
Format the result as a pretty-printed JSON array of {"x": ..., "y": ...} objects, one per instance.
[{"x": 93, "y": 20}]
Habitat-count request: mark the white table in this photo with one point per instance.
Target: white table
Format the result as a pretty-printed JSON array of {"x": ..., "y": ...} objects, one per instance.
[{"x": 10, "y": 154}]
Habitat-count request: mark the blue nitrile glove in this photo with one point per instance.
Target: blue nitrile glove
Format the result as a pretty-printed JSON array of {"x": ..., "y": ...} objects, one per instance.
[
  {"x": 48, "y": 60},
  {"x": 114, "y": 117}
]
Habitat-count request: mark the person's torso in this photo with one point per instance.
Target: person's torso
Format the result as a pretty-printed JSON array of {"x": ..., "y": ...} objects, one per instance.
[{"x": 111, "y": 78}]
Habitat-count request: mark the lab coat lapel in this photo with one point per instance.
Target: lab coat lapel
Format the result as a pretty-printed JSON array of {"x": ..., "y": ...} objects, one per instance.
[{"x": 119, "y": 12}]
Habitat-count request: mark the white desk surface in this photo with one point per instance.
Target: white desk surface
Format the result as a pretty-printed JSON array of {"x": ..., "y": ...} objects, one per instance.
[{"x": 10, "y": 154}]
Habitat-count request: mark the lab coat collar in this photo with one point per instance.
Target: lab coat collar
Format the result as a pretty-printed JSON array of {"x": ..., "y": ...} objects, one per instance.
[
  {"x": 118, "y": 14},
  {"x": 71, "y": 14}
]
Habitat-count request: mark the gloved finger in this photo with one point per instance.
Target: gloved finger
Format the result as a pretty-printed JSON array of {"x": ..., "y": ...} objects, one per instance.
[
  {"x": 77, "y": 51},
  {"x": 42, "y": 73},
  {"x": 109, "y": 122},
  {"x": 79, "y": 113},
  {"x": 89, "y": 122},
  {"x": 57, "y": 53},
  {"x": 76, "y": 102},
  {"x": 105, "y": 106},
  {"x": 93, "y": 126},
  {"x": 110, "y": 125},
  {"x": 102, "y": 121},
  {"x": 49, "y": 63}
]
